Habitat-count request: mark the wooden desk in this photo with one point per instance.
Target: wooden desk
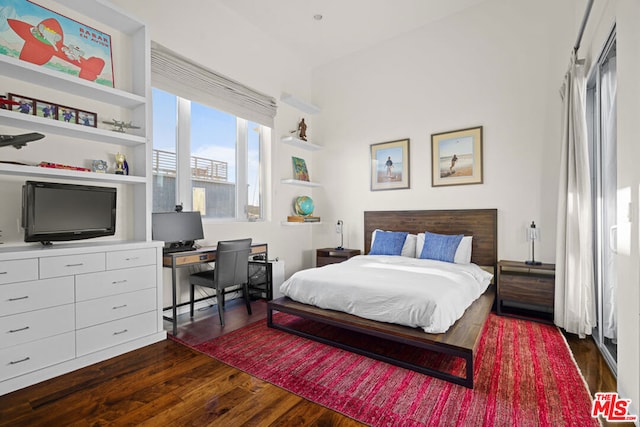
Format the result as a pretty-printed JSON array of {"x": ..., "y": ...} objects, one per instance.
[{"x": 204, "y": 255}]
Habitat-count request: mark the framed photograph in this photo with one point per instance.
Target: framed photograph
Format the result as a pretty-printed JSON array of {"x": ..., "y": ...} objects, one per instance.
[
  {"x": 300, "y": 169},
  {"x": 46, "y": 109},
  {"x": 390, "y": 165},
  {"x": 86, "y": 118},
  {"x": 456, "y": 157},
  {"x": 43, "y": 37},
  {"x": 67, "y": 114},
  {"x": 25, "y": 106}
]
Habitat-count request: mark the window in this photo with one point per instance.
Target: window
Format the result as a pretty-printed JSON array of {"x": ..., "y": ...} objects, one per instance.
[
  {"x": 601, "y": 126},
  {"x": 206, "y": 159}
]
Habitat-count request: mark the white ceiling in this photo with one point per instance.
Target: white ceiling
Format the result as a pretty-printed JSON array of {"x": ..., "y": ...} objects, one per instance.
[{"x": 347, "y": 26}]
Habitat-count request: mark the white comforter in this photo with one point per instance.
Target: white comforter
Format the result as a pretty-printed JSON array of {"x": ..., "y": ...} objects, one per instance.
[{"x": 413, "y": 292}]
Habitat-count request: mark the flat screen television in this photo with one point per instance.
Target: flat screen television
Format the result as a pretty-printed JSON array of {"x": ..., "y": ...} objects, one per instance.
[
  {"x": 179, "y": 230},
  {"x": 54, "y": 212}
]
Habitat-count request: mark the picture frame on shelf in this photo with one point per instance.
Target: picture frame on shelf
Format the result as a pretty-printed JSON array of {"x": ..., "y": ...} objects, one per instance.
[
  {"x": 456, "y": 157},
  {"x": 67, "y": 114},
  {"x": 86, "y": 118},
  {"x": 46, "y": 110},
  {"x": 26, "y": 105},
  {"x": 300, "y": 171},
  {"x": 43, "y": 37},
  {"x": 390, "y": 165}
]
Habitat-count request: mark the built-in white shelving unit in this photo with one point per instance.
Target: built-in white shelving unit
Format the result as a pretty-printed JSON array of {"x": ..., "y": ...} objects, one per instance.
[
  {"x": 73, "y": 289},
  {"x": 134, "y": 100}
]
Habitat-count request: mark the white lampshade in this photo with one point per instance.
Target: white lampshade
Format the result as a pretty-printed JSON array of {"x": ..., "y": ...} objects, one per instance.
[{"x": 532, "y": 232}]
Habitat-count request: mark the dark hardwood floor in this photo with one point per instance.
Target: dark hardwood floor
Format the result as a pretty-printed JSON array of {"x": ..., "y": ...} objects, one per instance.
[{"x": 168, "y": 384}]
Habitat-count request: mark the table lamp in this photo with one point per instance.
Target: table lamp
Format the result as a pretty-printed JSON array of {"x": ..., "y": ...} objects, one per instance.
[
  {"x": 533, "y": 234},
  {"x": 339, "y": 225}
]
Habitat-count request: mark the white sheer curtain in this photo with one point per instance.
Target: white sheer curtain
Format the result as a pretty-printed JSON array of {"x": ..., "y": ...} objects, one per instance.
[
  {"x": 574, "y": 294},
  {"x": 608, "y": 88}
]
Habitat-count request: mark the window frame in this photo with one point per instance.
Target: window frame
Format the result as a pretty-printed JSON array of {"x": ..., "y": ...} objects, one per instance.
[{"x": 184, "y": 178}]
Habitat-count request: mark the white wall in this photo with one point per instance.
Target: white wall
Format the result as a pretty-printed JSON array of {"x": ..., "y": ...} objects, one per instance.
[
  {"x": 224, "y": 42},
  {"x": 495, "y": 65},
  {"x": 499, "y": 65}
]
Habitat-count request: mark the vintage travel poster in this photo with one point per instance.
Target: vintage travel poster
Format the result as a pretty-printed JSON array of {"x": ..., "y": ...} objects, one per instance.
[{"x": 40, "y": 36}]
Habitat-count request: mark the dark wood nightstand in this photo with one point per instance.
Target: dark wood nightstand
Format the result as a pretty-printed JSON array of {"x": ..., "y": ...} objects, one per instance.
[
  {"x": 326, "y": 256},
  {"x": 526, "y": 291}
]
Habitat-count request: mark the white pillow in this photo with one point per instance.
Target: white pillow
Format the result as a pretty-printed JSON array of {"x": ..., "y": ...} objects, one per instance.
[
  {"x": 463, "y": 253},
  {"x": 409, "y": 246}
]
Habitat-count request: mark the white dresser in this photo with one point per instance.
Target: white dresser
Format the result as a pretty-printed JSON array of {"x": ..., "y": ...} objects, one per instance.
[{"x": 71, "y": 305}]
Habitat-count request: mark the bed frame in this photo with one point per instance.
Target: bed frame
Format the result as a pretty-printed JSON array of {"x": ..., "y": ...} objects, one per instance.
[{"x": 462, "y": 338}]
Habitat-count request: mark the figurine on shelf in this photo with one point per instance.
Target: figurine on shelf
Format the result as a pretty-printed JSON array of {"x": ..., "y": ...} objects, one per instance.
[
  {"x": 122, "y": 167},
  {"x": 302, "y": 130}
]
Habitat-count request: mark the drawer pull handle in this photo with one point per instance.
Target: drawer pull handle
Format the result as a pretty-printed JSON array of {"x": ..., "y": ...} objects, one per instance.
[
  {"x": 121, "y": 332},
  {"x": 132, "y": 258},
  {"x": 119, "y": 306},
  {"x": 4, "y": 272},
  {"x": 15, "y": 362},
  {"x": 115, "y": 282},
  {"x": 13, "y": 331},
  {"x": 18, "y": 298},
  {"x": 75, "y": 265}
]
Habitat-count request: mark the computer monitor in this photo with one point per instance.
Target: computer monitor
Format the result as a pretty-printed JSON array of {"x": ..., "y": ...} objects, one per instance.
[{"x": 179, "y": 230}]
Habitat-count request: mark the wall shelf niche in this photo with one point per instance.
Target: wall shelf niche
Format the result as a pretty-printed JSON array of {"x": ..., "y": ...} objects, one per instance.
[
  {"x": 297, "y": 142},
  {"x": 292, "y": 181}
]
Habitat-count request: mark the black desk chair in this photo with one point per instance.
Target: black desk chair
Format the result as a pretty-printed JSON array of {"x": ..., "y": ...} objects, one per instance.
[{"x": 231, "y": 269}]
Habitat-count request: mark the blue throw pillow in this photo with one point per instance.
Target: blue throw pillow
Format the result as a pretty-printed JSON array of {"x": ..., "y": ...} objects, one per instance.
[
  {"x": 440, "y": 247},
  {"x": 388, "y": 242}
]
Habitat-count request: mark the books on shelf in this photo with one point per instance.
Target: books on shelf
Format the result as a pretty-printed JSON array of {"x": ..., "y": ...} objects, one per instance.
[{"x": 298, "y": 218}]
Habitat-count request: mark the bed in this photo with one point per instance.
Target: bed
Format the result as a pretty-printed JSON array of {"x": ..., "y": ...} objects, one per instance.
[{"x": 461, "y": 336}]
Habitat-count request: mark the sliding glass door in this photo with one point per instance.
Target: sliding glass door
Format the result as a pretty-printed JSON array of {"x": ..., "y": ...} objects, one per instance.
[{"x": 601, "y": 119}]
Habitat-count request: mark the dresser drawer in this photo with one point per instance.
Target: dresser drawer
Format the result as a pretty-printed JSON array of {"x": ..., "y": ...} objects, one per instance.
[
  {"x": 113, "y": 282},
  {"x": 95, "y": 311},
  {"x": 20, "y": 270},
  {"x": 326, "y": 260},
  {"x": 20, "y": 359},
  {"x": 35, "y": 325},
  {"x": 131, "y": 258},
  {"x": 71, "y": 264},
  {"x": 528, "y": 289},
  {"x": 28, "y": 296},
  {"x": 116, "y": 332}
]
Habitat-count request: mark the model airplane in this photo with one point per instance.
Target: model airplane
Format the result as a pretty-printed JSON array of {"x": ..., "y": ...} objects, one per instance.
[
  {"x": 19, "y": 141},
  {"x": 46, "y": 40},
  {"x": 120, "y": 125}
]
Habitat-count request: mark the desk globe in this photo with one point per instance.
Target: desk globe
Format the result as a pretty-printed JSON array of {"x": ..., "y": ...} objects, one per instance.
[{"x": 303, "y": 206}]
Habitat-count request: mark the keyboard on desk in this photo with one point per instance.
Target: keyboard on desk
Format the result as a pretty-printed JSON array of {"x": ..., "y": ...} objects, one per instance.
[{"x": 173, "y": 250}]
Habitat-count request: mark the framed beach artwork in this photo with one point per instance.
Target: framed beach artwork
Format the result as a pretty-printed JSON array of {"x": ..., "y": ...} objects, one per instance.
[
  {"x": 390, "y": 165},
  {"x": 456, "y": 157},
  {"x": 35, "y": 34}
]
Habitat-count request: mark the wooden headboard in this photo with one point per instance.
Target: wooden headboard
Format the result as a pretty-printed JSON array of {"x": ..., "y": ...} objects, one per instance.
[{"x": 482, "y": 224}]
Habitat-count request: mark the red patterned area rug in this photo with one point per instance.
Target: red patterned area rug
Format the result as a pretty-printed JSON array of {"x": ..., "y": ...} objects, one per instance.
[{"x": 524, "y": 376}]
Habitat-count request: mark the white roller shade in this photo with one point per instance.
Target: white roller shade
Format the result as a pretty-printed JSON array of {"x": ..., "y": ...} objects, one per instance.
[{"x": 185, "y": 78}]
